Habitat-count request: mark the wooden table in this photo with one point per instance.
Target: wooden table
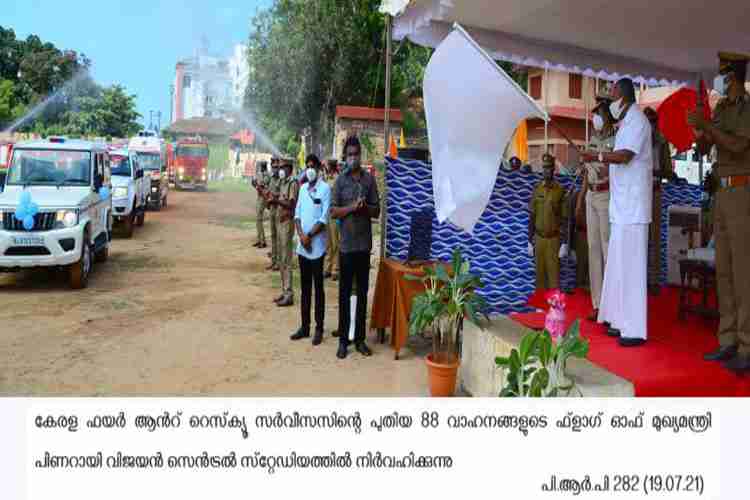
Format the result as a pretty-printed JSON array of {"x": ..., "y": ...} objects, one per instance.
[
  {"x": 391, "y": 306},
  {"x": 693, "y": 269}
]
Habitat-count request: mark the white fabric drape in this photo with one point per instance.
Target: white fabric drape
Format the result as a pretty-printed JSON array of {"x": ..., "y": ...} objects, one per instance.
[{"x": 473, "y": 108}]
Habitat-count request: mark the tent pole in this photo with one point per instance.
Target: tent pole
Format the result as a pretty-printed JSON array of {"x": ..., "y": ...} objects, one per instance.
[
  {"x": 546, "y": 108},
  {"x": 586, "y": 108},
  {"x": 387, "y": 133}
]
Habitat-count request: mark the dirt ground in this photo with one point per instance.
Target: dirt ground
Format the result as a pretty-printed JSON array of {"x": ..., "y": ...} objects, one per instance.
[{"x": 183, "y": 308}]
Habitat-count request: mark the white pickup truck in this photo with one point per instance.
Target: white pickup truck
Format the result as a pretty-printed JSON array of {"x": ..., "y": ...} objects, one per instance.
[
  {"x": 130, "y": 190},
  {"x": 55, "y": 210}
]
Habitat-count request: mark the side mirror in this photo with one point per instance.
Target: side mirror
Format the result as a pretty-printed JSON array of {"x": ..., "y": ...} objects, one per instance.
[
  {"x": 696, "y": 157},
  {"x": 98, "y": 181},
  {"x": 139, "y": 174}
]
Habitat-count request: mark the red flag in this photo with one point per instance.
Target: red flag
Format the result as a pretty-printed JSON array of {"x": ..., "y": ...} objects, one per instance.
[{"x": 673, "y": 116}]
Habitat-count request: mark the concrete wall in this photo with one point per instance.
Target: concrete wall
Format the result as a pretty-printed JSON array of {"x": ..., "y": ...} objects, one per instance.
[{"x": 374, "y": 129}]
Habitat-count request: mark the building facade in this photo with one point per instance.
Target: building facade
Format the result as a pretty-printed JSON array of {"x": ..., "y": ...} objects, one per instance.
[
  {"x": 368, "y": 125},
  {"x": 210, "y": 87}
]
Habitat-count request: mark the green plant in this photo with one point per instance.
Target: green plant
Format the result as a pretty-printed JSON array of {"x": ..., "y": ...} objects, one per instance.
[
  {"x": 449, "y": 297},
  {"x": 537, "y": 367}
]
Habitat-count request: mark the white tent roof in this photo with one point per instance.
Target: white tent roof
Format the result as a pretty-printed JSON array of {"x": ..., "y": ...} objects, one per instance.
[{"x": 659, "y": 42}]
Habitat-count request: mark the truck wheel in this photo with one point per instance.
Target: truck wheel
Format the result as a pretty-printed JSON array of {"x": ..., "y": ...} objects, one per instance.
[
  {"x": 128, "y": 225},
  {"x": 141, "y": 218},
  {"x": 78, "y": 273},
  {"x": 103, "y": 254}
]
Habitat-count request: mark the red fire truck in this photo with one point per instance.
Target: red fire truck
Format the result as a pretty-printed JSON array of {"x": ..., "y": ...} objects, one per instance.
[
  {"x": 6, "y": 149},
  {"x": 191, "y": 164}
]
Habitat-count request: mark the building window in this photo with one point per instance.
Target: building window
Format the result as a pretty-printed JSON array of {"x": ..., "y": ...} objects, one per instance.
[
  {"x": 575, "y": 86},
  {"x": 535, "y": 87}
]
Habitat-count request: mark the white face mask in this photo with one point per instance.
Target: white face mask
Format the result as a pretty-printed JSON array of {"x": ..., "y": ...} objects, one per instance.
[
  {"x": 311, "y": 174},
  {"x": 598, "y": 123},
  {"x": 616, "y": 108},
  {"x": 282, "y": 174},
  {"x": 720, "y": 84}
]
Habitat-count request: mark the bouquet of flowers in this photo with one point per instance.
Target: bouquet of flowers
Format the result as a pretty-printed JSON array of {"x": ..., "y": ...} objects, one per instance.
[{"x": 554, "y": 323}]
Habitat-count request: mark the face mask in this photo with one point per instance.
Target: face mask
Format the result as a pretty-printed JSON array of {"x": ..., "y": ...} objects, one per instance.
[
  {"x": 282, "y": 174},
  {"x": 353, "y": 163},
  {"x": 311, "y": 174},
  {"x": 598, "y": 123},
  {"x": 720, "y": 84},
  {"x": 616, "y": 108}
]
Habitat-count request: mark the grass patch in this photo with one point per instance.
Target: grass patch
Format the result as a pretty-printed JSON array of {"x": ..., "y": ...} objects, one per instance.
[
  {"x": 245, "y": 222},
  {"x": 230, "y": 186}
]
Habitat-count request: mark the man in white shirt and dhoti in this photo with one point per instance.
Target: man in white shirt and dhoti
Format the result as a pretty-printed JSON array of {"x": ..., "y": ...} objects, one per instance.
[{"x": 624, "y": 292}]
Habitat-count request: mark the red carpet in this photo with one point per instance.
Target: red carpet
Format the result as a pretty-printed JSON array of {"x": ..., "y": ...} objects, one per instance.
[{"x": 670, "y": 364}]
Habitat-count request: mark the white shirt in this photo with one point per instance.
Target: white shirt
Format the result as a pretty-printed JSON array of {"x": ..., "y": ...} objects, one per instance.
[
  {"x": 630, "y": 185},
  {"x": 312, "y": 208}
]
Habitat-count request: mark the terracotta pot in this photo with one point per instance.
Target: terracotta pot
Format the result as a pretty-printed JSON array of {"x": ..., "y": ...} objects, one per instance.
[{"x": 442, "y": 377}]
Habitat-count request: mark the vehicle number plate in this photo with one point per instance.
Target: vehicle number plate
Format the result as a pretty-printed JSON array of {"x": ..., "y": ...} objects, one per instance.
[{"x": 28, "y": 241}]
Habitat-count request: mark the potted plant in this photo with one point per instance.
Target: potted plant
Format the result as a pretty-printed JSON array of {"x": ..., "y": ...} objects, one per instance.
[
  {"x": 449, "y": 297},
  {"x": 537, "y": 367}
]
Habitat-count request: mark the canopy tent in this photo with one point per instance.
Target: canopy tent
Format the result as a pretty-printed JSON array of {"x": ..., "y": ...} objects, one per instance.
[{"x": 669, "y": 42}]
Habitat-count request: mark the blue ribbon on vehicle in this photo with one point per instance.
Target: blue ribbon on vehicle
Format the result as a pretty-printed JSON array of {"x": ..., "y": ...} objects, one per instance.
[{"x": 26, "y": 210}]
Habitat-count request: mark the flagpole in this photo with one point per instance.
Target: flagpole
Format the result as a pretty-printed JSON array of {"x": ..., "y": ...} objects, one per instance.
[{"x": 387, "y": 134}]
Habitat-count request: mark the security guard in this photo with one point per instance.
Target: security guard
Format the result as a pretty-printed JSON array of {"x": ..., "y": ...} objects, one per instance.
[
  {"x": 730, "y": 133},
  {"x": 662, "y": 170},
  {"x": 260, "y": 183},
  {"x": 332, "y": 252},
  {"x": 546, "y": 226},
  {"x": 272, "y": 194},
  {"x": 288, "y": 190},
  {"x": 596, "y": 192}
]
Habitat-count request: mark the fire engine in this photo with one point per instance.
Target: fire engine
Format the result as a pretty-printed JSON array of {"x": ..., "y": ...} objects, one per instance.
[
  {"x": 191, "y": 163},
  {"x": 151, "y": 152}
]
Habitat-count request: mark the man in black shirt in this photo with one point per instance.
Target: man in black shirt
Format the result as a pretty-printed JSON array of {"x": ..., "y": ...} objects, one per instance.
[{"x": 355, "y": 203}]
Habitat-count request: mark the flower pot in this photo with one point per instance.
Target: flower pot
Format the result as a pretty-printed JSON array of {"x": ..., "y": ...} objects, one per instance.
[{"x": 442, "y": 377}]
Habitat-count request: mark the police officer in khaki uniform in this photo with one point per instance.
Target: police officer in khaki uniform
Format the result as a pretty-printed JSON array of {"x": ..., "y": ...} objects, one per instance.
[
  {"x": 332, "y": 252},
  {"x": 730, "y": 134},
  {"x": 260, "y": 183},
  {"x": 596, "y": 193},
  {"x": 272, "y": 194},
  {"x": 288, "y": 189},
  {"x": 547, "y": 225},
  {"x": 662, "y": 170}
]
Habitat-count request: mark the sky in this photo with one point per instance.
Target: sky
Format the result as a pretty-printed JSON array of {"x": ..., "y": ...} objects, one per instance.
[{"x": 135, "y": 43}]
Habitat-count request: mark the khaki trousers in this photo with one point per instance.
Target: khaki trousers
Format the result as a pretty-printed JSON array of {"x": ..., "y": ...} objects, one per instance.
[
  {"x": 286, "y": 242},
  {"x": 597, "y": 224},
  {"x": 260, "y": 212},
  {"x": 547, "y": 255},
  {"x": 332, "y": 252},
  {"x": 732, "y": 236},
  {"x": 274, "y": 235},
  {"x": 654, "y": 243}
]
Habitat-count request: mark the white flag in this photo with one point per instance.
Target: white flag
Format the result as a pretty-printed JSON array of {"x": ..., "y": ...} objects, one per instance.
[{"x": 473, "y": 108}]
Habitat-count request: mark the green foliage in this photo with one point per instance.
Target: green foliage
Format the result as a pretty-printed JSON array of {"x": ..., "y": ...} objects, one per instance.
[
  {"x": 537, "y": 367},
  {"x": 32, "y": 70},
  {"x": 446, "y": 301},
  {"x": 218, "y": 156}
]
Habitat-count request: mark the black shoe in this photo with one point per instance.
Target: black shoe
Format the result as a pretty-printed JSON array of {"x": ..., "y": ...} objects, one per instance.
[
  {"x": 630, "y": 342},
  {"x": 607, "y": 324},
  {"x": 613, "y": 332},
  {"x": 286, "y": 302},
  {"x": 738, "y": 364},
  {"x": 327, "y": 275},
  {"x": 342, "y": 352},
  {"x": 318, "y": 338},
  {"x": 722, "y": 353},
  {"x": 301, "y": 334},
  {"x": 335, "y": 333},
  {"x": 363, "y": 349}
]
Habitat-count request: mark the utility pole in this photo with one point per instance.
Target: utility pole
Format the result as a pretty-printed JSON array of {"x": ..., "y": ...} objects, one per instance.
[
  {"x": 171, "y": 103},
  {"x": 158, "y": 120}
]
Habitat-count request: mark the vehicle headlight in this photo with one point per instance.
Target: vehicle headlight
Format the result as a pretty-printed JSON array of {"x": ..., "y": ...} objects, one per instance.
[
  {"x": 181, "y": 170},
  {"x": 154, "y": 189},
  {"x": 66, "y": 218},
  {"x": 120, "y": 192},
  {"x": 203, "y": 170}
]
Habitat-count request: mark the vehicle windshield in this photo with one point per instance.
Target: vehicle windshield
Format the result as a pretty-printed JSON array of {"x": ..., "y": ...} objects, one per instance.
[
  {"x": 50, "y": 167},
  {"x": 150, "y": 161},
  {"x": 120, "y": 165},
  {"x": 192, "y": 151}
]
